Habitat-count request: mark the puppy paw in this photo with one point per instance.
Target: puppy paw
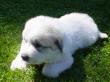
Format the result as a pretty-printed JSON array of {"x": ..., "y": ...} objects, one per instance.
[
  {"x": 16, "y": 64},
  {"x": 50, "y": 73}
]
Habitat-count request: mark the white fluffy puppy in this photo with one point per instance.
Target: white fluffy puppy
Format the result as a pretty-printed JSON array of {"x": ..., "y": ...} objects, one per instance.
[{"x": 52, "y": 41}]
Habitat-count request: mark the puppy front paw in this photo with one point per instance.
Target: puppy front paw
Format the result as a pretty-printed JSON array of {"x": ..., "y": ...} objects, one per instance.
[
  {"x": 16, "y": 64},
  {"x": 50, "y": 74}
]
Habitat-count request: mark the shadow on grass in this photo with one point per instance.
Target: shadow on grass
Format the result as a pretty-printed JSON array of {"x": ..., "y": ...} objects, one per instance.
[
  {"x": 77, "y": 72},
  {"x": 17, "y": 11}
]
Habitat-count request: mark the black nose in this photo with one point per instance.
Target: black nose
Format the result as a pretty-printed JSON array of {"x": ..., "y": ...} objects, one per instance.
[{"x": 25, "y": 58}]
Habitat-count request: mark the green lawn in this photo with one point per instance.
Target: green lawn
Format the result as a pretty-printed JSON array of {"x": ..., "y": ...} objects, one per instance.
[{"x": 91, "y": 65}]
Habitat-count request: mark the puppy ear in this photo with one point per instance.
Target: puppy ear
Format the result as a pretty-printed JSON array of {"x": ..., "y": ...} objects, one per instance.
[
  {"x": 59, "y": 45},
  {"x": 56, "y": 39},
  {"x": 56, "y": 36},
  {"x": 52, "y": 37}
]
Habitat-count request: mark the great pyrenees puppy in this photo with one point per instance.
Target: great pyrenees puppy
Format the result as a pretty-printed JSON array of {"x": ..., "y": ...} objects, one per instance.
[{"x": 53, "y": 41}]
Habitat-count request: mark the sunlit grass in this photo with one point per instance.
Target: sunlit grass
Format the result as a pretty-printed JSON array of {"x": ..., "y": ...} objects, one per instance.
[{"x": 91, "y": 65}]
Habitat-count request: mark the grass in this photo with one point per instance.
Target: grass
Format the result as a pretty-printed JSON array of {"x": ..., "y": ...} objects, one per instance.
[{"x": 91, "y": 65}]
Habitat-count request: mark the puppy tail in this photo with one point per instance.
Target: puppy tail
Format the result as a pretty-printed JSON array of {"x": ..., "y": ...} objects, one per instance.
[{"x": 103, "y": 35}]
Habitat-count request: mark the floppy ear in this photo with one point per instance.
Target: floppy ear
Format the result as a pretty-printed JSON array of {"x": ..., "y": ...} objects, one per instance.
[
  {"x": 59, "y": 45},
  {"x": 56, "y": 36},
  {"x": 51, "y": 37}
]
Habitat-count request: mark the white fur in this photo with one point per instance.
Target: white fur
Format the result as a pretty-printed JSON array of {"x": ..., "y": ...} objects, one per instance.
[
  {"x": 103, "y": 35},
  {"x": 73, "y": 31},
  {"x": 18, "y": 63}
]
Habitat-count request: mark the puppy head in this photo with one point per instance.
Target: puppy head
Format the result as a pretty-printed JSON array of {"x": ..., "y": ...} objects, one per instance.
[{"x": 41, "y": 45}]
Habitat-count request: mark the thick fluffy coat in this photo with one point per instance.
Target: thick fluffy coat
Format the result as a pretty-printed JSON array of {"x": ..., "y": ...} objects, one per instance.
[{"x": 52, "y": 41}]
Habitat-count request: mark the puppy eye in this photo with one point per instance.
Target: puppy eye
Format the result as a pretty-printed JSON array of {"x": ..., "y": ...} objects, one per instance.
[{"x": 37, "y": 45}]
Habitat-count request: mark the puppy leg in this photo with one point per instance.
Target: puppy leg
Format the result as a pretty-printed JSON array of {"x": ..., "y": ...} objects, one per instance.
[
  {"x": 54, "y": 69},
  {"x": 18, "y": 63}
]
